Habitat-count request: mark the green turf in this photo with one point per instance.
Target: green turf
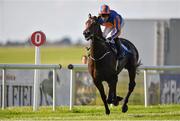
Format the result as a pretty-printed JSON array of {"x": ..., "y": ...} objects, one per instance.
[
  {"x": 49, "y": 55},
  {"x": 163, "y": 112}
]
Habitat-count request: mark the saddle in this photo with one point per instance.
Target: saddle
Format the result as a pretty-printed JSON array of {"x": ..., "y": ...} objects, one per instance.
[{"x": 126, "y": 50}]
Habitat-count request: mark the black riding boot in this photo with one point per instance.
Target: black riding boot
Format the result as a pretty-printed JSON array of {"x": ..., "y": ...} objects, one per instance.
[{"x": 119, "y": 48}]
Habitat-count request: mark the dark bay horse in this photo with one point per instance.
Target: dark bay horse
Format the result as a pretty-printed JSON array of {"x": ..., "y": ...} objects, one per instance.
[{"x": 103, "y": 66}]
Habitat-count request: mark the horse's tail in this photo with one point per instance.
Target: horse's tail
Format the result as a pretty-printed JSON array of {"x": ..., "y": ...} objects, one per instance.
[{"x": 139, "y": 63}]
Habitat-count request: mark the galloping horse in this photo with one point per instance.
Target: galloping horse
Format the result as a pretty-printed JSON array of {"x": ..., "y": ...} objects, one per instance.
[{"x": 103, "y": 64}]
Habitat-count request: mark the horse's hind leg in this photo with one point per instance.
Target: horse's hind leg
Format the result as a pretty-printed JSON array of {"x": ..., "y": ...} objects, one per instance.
[
  {"x": 100, "y": 87},
  {"x": 132, "y": 84}
]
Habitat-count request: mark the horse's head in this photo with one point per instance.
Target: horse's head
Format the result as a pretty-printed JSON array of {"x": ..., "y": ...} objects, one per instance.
[{"x": 92, "y": 27}]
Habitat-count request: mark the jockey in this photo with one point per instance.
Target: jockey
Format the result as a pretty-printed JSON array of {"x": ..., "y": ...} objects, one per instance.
[{"x": 113, "y": 23}]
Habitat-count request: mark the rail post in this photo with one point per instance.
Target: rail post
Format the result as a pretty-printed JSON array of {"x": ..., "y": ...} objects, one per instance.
[
  {"x": 71, "y": 101},
  {"x": 3, "y": 88},
  {"x": 73, "y": 68},
  {"x": 145, "y": 88},
  {"x": 54, "y": 89}
]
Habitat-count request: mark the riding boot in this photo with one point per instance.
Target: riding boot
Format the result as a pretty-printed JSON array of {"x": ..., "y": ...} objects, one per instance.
[{"x": 119, "y": 48}]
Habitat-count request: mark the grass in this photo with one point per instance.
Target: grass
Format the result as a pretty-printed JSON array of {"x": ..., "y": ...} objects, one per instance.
[
  {"x": 49, "y": 55},
  {"x": 160, "y": 112}
]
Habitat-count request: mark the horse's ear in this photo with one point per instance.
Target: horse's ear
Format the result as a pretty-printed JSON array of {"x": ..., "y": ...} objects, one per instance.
[
  {"x": 89, "y": 15},
  {"x": 96, "y": 18}
]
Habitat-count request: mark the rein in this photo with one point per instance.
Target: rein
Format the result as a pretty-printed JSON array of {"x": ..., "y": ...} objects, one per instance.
[
  {"x": 100, "y": 58},
  {"x": 100, "y": 39}
]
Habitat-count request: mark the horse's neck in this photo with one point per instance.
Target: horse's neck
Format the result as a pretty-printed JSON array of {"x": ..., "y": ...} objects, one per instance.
[{"x": 98, "y": 48}]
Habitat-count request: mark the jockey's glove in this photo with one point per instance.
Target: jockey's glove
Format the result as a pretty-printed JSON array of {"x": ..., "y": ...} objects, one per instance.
[{"x": 109, "y": 39}]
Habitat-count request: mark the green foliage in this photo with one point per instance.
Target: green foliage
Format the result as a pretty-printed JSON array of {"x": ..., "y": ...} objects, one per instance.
[{"x": 160, "y": 112}]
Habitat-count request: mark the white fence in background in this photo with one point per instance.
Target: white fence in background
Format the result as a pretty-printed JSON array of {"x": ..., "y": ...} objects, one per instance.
[
  {"x": 4, "y": 67},
  {"x": 75, "y": 67}
]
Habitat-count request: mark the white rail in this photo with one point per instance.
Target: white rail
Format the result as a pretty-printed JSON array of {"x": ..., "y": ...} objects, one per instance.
[
  {"x": 143, "y": 68},
  {"x": 157, "y": 68},
  {"x": 160, "y": 68},
  {"x": 29, "y": 66},
  {"x": 4, "y": 67}
]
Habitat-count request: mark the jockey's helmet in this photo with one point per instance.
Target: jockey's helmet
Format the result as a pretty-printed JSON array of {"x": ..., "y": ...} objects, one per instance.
[{"x": 104, "y": 10}]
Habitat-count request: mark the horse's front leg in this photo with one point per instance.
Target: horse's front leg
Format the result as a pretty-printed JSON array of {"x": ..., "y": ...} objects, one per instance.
[
  {"x": 112, "y": 98},
  {"x": 132, "y": 84},
  {"x": 112, "y": 91},
  {"x": 100, "y": 87}
]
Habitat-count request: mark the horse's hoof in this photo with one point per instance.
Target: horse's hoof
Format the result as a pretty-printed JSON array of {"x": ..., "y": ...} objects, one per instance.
[
  {"x": 119, "y": 98},
  {"x": 124, "y": 108},
  {"x": 107, "y": 112},
  {"x": 116, "y": 103},
  {"x": 109, "y": 101}
]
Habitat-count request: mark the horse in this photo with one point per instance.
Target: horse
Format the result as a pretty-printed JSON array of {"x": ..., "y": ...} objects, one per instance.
[{"x": 103, "y": 64}]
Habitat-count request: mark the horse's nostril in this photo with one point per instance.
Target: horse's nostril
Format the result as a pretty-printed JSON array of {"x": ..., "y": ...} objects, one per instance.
[{"x": 84, "y": 33}]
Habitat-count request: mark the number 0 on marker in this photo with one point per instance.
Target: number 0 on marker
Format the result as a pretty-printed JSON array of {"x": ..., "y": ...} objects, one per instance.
[{"x": 38, "y": 38}]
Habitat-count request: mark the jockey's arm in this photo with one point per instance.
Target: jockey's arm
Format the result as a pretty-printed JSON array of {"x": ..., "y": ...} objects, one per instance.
[
  {"x": 100, "y": 21},
  {"x": 117, "y": 26}
]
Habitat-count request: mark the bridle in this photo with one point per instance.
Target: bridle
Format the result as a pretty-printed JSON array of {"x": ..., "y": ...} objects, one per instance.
[
  {"x": 100, "y": 58},
  {"x": 106, "y": 53},
  {"x": 92, "y": 36}
]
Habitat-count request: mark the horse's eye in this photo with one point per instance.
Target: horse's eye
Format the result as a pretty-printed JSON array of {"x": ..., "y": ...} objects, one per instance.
[{"x": 94, "y": 21}]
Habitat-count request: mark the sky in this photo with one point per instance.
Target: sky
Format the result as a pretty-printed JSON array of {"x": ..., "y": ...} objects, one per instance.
[{"x": 66, "y": 18}]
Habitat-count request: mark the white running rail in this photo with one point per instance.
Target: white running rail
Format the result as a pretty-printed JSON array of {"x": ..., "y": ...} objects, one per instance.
[
  {"x": 143, "y": 68},
  {"x": 4, "y": 67}
]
